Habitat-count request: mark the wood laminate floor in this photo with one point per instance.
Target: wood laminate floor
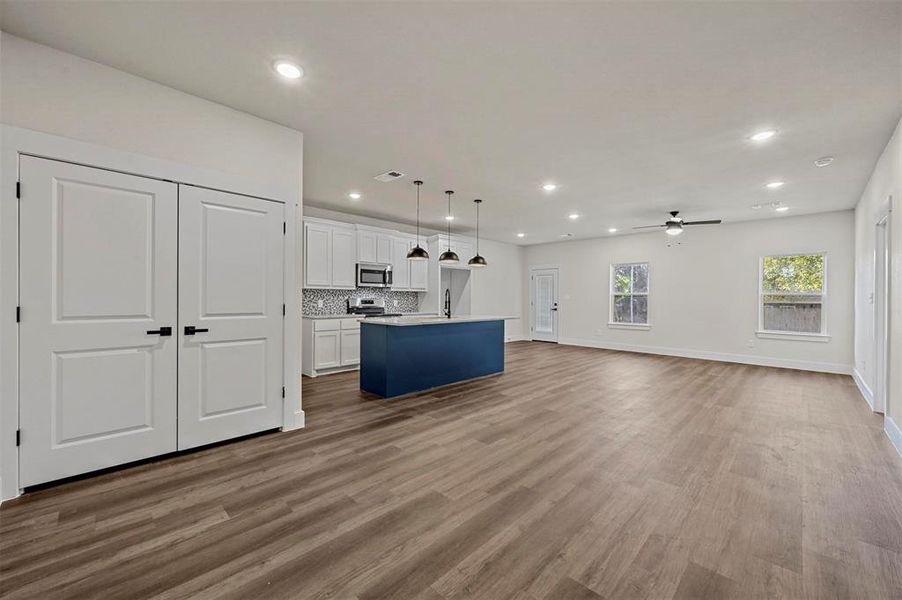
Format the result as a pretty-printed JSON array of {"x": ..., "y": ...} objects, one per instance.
[{"x": 577, "y": 474}]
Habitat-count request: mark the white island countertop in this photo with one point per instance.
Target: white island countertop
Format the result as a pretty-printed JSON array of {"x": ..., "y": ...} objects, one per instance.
[{"x": 435, "y": 320}]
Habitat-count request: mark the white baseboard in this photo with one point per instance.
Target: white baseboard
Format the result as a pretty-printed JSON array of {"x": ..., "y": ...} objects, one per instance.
[
  {"x": 863, "y": 388},
  {"x": 747, "y": 359},
  {"x": 893, "y": 433},
  {"x": 297, "y": 422},
  {"x": 515, "y": 338}
]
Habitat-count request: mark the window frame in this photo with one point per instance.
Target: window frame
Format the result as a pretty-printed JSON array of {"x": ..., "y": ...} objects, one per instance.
[
  {"x": 761, "y": 332},
  {"x": 611, "y": 293}
]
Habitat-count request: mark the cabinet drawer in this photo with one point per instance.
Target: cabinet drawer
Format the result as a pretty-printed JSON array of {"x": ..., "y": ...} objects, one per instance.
[
  {"x": 326, "y": 324},
  {"x": 350, "y": 324}
]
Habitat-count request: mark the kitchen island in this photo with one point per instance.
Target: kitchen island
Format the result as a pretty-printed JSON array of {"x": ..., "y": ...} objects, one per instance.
[{"x": 401, "y": 355}]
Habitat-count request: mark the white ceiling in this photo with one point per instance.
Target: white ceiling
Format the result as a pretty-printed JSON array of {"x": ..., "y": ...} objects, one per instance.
[{"x": 632, "y": 108}]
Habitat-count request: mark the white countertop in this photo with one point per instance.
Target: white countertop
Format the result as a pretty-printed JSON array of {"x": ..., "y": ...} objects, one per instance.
[
  {"x": 349, "y": 316},
  {"x": 435, "y": 320}
]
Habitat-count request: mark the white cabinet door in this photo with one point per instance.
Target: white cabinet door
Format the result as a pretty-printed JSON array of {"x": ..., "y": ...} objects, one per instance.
[
  {"x": 400, "y": 267},
  {"x": 317, "y": 255},
  {"x": 384, "y": 249},
  {"x": 98, "y": 276},
  {"x": 326, "y": 349},
  {"x": 350, "y": 347},
  {"x": 344, "y": 258},
  {"x": 418, "y": 272},
  {"x": 230, "y": 288},
  {"x": 367, "y": 251}
]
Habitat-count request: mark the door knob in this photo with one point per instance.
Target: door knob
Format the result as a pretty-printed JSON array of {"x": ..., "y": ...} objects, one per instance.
[
  {"x": 191, "y": 330},
  {"x": 162, "y": 331}
]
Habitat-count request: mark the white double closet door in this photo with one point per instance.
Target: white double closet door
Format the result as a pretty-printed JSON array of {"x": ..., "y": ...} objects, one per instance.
[{"x": 151, "y": 318}]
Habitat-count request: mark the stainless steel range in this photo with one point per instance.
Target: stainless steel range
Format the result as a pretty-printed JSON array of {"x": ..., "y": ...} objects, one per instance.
[{"x": 369, "y": 307}]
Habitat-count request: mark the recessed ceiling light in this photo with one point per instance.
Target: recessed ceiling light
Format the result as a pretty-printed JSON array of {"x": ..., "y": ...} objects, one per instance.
[
  {"x": 781, "y": 208},
  {"x": 288, "y": 70},
  {"x": 612, "y": 230},
  {"x": 763, "y": 135},
  {"x": 549, "y": 187},
  {"x": 823, "y": 161},
  {"x": 774, "y": 185},
  {"x": 354, "y": 196},
  {"x": 449, "y": 217},
  {"x": 573, "y": 216},
  {"x": 520, "y": 235}
]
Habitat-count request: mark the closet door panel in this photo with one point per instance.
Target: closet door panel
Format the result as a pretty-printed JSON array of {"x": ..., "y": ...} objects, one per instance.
[
  {"x": 230, "y": 315},
  {"x": 97, "y": 288}
]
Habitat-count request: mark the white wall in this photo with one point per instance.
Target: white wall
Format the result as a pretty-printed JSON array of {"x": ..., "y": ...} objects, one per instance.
[
  {"x": 495, "y": 290},
  {"x": 54, "y": 92},
  {"x": 885, "y": 182},
  {"x": 703, "y": 294},
  {"x": 141, "y": 123}
]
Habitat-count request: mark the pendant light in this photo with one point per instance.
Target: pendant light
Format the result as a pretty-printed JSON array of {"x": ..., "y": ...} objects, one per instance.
[
  {"x": 449, "y": 257},
  {"x": 477, "y": 262},
  {"x": 417, "y": 253}
]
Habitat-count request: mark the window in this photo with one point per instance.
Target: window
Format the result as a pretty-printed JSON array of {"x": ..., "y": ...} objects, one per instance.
[
  {"x": 629, "y": 294},
  {"x": 792, "y": 294}
]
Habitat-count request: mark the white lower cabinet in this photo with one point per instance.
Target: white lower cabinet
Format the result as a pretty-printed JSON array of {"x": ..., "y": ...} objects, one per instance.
[{"x": 330, "y": 345}]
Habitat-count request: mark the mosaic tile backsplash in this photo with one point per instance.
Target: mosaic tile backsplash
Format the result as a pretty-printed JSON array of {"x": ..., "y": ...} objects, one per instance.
[{"x": 336, "y": 301}]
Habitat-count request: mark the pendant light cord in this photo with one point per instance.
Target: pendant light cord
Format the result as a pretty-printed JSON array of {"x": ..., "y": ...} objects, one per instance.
[
  {"x": 477, "y": 227},
  {"x": 449, "y": 220}
]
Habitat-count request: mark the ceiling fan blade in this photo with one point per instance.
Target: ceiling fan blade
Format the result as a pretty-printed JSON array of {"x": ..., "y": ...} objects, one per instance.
[
  {"x": 709, "y": 222},
  {"x": 649, "y": 227}
]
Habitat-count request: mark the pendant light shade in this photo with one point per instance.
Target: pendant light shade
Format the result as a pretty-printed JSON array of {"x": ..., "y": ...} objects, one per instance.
[
  {"x": 477, "y": 262},
  {"x": 449, "y": 256},
  {"x": 417, "y": 253}
]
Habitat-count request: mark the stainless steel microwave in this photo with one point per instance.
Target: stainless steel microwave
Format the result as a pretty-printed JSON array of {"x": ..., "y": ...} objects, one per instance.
[{"x": 373, "y": 275}]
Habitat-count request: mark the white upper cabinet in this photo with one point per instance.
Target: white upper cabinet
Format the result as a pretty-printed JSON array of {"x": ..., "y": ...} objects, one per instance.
[
  {"x": 344, "y": 258},
  {"x": 366, "y": 246},
  {"x": 374, "y": 246},
  {"x": 418, "y": 271},
  {"x": 330, "y": 255},
  {"x": 317, "y": 255},
  {"x": 399, "y": 263},
  {"x": 333, "y": 249},
  {"x": 383, "y": 248}
]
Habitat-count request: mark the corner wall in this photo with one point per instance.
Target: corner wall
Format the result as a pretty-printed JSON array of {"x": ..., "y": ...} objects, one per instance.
[
  {"x": 703, "y": 298},
  {"x": 885, "y": 182}
]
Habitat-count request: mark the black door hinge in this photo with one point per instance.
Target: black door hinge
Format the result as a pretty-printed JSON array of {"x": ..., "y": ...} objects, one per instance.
[
  {"x": 18, "y": 189},
  {"x": 284, "y": 228},
  {"x": 18, "y": 314},
  {"x": 18, "y": 437},
  {"x": 283, "y": 310},
  {"x": 283, "y": 391}
]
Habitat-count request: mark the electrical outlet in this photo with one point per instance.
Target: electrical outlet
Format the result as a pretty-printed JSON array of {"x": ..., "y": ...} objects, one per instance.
[
  {"x": 751, "y": 343},
  {"x": 319, "y": 303}
]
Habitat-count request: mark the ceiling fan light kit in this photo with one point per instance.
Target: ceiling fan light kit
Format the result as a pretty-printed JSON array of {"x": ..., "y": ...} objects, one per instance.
[{"x": 674, "y": 225}]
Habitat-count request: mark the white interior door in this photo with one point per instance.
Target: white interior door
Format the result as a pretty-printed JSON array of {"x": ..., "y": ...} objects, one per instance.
[
  {"x": 98, "y": 277},
  {"x": 230, "y": 292},
  {"x": 544, "y": 300}
]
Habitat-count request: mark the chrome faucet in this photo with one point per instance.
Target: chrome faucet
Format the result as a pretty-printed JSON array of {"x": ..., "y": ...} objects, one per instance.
[{"x": 448, "y": 302}]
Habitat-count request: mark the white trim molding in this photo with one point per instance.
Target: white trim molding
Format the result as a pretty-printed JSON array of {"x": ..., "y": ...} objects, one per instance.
[
  {"x": 863, "y": 387},
  {"x": 747, "y": 359},
  {"x": 893, "y": 433},
  {"x": 637, "y": 326},
  {"x": 793, "y": 336}
]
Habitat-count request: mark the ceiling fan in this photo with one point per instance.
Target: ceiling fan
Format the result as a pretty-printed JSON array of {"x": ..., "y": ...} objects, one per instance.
[{"x": 674, "y": 225}]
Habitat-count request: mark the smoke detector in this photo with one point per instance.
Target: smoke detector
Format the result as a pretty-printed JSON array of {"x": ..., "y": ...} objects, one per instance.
[{"x": 389, "y": 176}]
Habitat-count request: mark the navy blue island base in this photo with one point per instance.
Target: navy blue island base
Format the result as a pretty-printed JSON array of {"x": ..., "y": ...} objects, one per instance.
[{"x": 400, "y": 359}]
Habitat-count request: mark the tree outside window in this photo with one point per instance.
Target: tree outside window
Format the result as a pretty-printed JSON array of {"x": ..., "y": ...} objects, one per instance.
[
  {"x": 629, "y": 293},
  {"x": 793, "y": 293}
]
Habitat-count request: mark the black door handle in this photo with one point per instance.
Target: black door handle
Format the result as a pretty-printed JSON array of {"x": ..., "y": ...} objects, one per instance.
[
  {"x": 162, "y": 331},
  {"x": 191, "y": 330}
]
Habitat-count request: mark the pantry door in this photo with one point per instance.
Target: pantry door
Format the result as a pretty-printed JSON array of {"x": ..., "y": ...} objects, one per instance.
[
  {"x": 230, "y": 315},
  {"x": 97, "y": 361}
]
